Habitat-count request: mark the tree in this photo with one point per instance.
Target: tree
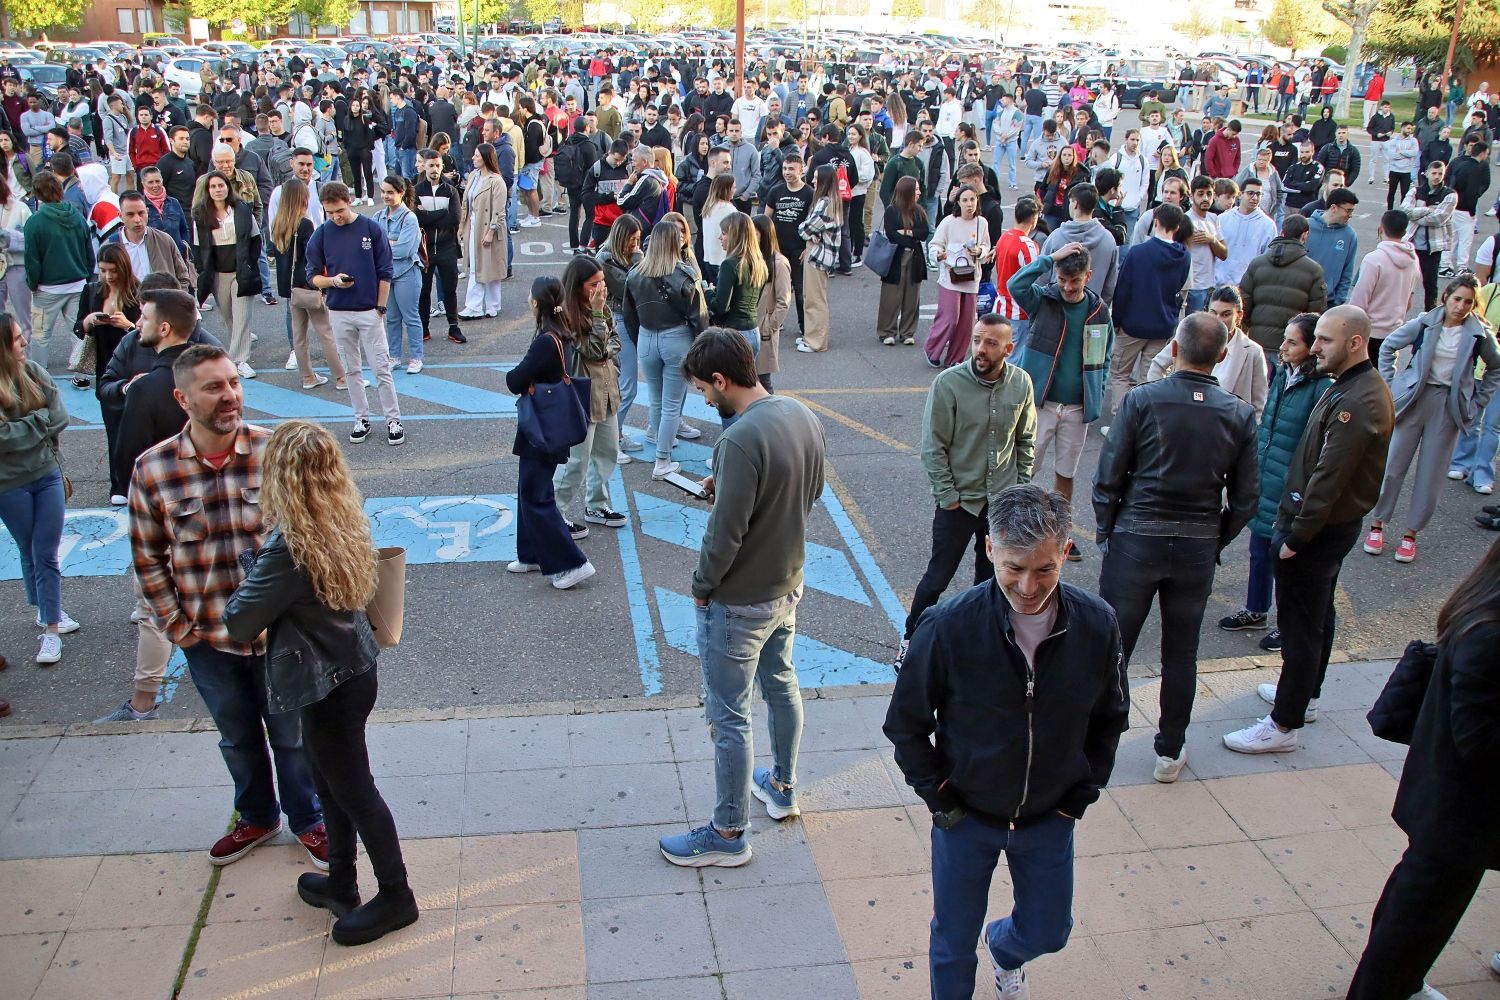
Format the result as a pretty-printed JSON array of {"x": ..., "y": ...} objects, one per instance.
[
  {"x": 253, "y": 12},
  {"x": 1355, "y": 15},
  {"x": 1196, "y": 26},
  {"x": 1087, "y": 20},
  {"x": 542, "y": 11},
  {"x": 908, "y": 10},
  {"x": 39, "y": 15},
  {"x": 720, "y": 13},
  {"x": 1419, "y": 29},
  {"x": 1294, "y": 24}
]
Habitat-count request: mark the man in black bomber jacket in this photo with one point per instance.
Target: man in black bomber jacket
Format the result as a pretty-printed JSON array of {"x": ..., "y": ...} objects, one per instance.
[{"x": 1022, "y": 684}]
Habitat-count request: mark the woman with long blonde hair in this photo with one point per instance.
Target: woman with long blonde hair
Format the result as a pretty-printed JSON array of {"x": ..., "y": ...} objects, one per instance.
[
  {"x": 32, "y": 416},
  {"x": 742, "y": 277},
  {"x": 290, "y": 231},
  {"x": 308, "y": 590}
]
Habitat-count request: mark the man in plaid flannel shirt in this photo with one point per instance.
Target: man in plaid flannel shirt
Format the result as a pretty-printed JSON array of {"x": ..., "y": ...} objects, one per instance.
[{"x": 194, "y": 508}]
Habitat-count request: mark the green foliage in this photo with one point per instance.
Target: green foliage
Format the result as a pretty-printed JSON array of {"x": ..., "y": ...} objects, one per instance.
[
  {"x": 39, "y": 15},
  {"x": 1419, "y": 29},
  {"x": 908, "y": 10},
  {"x": 1196, "y": 25},
  {"x": 1337, "y": 53},
  {"x": 1087, "y": 20},
  {"x": 1295, "y": 24},
  {"x": 719, "y": 13}
]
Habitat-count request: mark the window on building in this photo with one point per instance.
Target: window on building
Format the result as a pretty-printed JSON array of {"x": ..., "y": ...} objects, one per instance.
[
  {"x": 380, "y": 22},
  {"x": 127, "y": 21},
  {"x": 401, "y": 27},
  {"x": 145, "y": 19},
  {"x": 358, "y": 24}
]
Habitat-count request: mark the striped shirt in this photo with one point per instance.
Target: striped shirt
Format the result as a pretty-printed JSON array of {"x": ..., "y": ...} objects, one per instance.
[
  {"x": 1014, "y": 251},
  {"x": 189, "y": 522}
]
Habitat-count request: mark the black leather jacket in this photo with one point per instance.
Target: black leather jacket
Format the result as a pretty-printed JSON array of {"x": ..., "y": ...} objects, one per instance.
[
  {"x": 310, "y": 649},
  {"x": 1175, "y": 447},
  {"x": 662, "y": 303}
]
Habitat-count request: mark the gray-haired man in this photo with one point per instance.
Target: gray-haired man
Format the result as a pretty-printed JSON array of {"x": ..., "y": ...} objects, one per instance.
[{"x": 1027, "y": 654}]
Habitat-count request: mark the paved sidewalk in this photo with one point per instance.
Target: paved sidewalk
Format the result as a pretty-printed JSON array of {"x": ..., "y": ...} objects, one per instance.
[{"x": 532, "y": 848}]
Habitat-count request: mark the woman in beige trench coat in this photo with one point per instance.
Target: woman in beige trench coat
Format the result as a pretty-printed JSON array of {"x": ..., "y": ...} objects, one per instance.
[{"x": 485, "y": 196}]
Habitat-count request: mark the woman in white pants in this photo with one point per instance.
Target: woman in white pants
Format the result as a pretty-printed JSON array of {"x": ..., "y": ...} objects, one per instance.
[
  {"x": 1436, "y": 397},
  {"x": 484, "y": 203}
]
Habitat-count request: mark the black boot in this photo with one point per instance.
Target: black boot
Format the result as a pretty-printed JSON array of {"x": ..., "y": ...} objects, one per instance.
[
  {"x": 337, "y": 895},
  {"x": 393, "y": 907},
  {"x": 456, "y": 335}
]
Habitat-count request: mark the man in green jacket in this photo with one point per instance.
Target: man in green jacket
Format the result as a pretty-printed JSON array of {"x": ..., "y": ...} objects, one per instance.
[
  {"x": 907, "y": 164},
  {"x": 978, "y": 438},
  {"x": 59, "y": 258}
]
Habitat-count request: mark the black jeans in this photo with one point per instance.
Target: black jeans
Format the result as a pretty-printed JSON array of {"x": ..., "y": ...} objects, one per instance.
[
  {"x": 1179, "y": 574},
  {"x": 952, "y": 531},
  {"x": 1395, "y": 189},
  {"x": 1429, "y": 261},
  {"x": 856, "y": 212},
  {"x": 797, "y": 298},
  {"x": 362, "y": 168},
  {"x": 1304, "y": 612},
  {"x": 443, "y": 264},
  {"x": 1420, "y": 907},
  {"x": 577, "y": 222},
  {"x": 333, "y": 731}
]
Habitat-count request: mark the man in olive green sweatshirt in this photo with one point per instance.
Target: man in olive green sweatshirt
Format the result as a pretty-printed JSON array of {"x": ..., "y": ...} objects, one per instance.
[
  {"x": 767, "y": 474},
  {"x": 978, "y": 438}
]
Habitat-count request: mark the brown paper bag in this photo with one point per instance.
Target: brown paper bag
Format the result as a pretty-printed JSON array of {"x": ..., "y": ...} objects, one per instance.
[{"x": 388, "y": 608}]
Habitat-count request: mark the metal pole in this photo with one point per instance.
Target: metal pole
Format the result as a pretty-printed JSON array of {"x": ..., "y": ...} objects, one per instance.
[
  {"x": 1458, "y": 16},
  {"x": 458, "y": 24}
]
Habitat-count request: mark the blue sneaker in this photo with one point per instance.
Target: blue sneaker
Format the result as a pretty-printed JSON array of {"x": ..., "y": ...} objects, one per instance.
[
  {"x": 705, "y": 848},
  {"x": 779, "y": 805}
]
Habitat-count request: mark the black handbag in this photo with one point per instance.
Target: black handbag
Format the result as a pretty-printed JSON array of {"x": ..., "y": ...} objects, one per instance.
[
  {"x": 554, "y": 416},
  {"x": 961, "y": 267},
  {"x": 1394, "y": 715}
]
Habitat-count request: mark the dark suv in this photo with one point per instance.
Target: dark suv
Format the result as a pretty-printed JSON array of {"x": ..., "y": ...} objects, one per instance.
[{"x": 1132, "y": 77}]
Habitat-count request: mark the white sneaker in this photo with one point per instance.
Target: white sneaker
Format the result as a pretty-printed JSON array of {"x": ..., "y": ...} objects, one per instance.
[
  {"x": 1495, "y": 963},
  {"x": 517, "y": 566},
  {"x": 1267, "y": 694},
  {"x": 1456, "y": 474},
  {"x": 50, "y": 651},
  {"x": 437, "y": 309},
  {"x": 661, "y": 470},
  {"x": 65, "y": 625},
  {"x": 413, "y": 367},
  {"x": 291, "y": 362},
  {"x": 207, "y": 306},
  {"x": 245, "y": 370},
  {"x": 573, "y": 577},
  {"x": 1263, "y": 737},
  {"x": 1010, "y": 984},
  {"x": 1428, "y": 993},
  {"x": 622, "y": 459},
  {"x": 686, "y": 432},
  {"x": 530, "y": 222},
  {"x": 1168, "y": 768},
  {"x": 118, "y": 500}
]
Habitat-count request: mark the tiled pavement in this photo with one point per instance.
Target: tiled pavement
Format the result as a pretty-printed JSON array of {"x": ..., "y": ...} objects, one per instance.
[{"x": 532, "y": 848}]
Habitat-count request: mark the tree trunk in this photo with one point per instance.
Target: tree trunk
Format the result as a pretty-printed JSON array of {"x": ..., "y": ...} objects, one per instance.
[{"x": 1352, "y": 59}]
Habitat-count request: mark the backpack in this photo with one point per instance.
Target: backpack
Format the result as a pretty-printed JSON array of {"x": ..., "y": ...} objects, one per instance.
[
  {"x": 565, "y": 165},
  {"x": 663, "y": 206}
]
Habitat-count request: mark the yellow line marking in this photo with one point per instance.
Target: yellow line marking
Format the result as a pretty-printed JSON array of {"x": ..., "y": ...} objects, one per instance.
[{"x": 853, "y": 425}]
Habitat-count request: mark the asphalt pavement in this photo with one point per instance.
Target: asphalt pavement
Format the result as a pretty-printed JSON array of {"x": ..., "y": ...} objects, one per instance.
[{"x": 476, "y": 635}]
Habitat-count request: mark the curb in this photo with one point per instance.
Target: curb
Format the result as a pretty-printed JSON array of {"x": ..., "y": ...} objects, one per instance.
[{"x": 601, "y": 705}]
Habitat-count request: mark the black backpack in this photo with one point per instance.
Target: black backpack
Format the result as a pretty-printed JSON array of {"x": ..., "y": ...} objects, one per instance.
[{"x": 568, "y": 165}]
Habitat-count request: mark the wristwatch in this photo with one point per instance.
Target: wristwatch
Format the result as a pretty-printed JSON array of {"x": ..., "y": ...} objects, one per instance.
[
  {"x": 380, "y": 309},
  {"x": 947, "y": 819}
]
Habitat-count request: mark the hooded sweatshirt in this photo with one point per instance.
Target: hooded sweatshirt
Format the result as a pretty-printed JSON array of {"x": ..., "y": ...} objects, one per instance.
[
  {"x": 1336, "y": 248},
  {"x": 59, "y": 253},
  {"x": 1151, "y": 275},
  {"x": 1388, "y": 279},
  {"x": 1103, "y": 252}
]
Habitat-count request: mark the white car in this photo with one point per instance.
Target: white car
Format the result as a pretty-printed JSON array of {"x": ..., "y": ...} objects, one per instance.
[{"x": 184, "y": 72}]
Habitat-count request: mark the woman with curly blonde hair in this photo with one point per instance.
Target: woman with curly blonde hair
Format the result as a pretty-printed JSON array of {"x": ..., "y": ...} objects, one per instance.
[{"x": 307, "y": 590}]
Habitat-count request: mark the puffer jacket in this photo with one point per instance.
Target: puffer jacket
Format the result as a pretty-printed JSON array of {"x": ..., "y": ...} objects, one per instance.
[
  {"x": 1279, "y": 284},
  {"x": 1281, "y": 426}
]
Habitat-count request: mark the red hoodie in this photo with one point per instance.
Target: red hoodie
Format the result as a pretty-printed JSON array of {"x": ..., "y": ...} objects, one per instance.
[
  {"x": 1222, "y": 158},
  {"x": 146, "y": 146}
]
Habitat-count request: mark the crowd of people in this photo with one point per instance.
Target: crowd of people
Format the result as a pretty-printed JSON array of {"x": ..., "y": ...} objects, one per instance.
[{"x": 1204, "y": 304}]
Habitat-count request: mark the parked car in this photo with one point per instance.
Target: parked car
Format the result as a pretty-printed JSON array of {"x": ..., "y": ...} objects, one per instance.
[
  {"x": 1133, "y": 77},
  {"x": 46, "y": 79},
  {"x": 70, "y": 53},
  {"x": 184, "y": 71}
]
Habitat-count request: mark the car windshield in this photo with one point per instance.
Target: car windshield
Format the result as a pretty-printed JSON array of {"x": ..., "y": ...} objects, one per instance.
[{"x": 47, "y": 74}]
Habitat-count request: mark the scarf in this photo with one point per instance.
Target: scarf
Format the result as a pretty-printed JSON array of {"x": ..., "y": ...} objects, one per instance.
[{"x": 160, "y": 204}]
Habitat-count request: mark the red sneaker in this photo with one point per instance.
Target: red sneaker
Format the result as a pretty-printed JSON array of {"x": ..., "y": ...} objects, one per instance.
[
  {"x": 315, "y": 841},
  {"x": 1375, "y": 542},
  {"x": 239, "y": 842},
  {"x": 1407, "y": 551}
]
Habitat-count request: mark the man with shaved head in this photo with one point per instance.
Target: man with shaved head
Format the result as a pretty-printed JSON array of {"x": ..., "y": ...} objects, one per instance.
[{"x": 1332, "y": 482}]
